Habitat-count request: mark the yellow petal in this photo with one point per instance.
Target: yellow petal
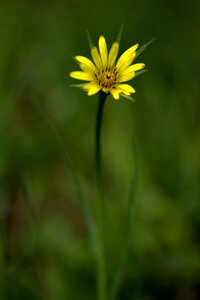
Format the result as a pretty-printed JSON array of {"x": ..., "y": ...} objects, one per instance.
[
  {"x": 86, "y": 86},
  {"x": 113, "y": 54},
  {"x": 80, "y": 75},
  {"x": 94, "y": 88},
  {"x": 126, "y": 77},
  {"x": 126, "y": 93},
  {"x": 125, "y": 72},
  {"x": 96, "y": 58},
  {"x": 87, "y": 70},
  {"x": 133, "y": 68},
  {"x": 115, "y": 93},
  {"x": 126, "y": 88},
  {"x": 127, "y": 62},
  {"x": 103, "y": 50},
  {"x": 91, "y": 88},
  {"x": 86, "y": 61},
  {"x": 127, "y": 57}
]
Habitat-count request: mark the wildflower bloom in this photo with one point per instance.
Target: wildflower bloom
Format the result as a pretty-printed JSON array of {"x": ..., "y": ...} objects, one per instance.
[{"x": 104, "y": 73}]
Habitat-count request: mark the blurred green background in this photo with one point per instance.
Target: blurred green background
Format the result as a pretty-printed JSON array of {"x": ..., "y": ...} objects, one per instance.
[{"x": 44, "y": 246}]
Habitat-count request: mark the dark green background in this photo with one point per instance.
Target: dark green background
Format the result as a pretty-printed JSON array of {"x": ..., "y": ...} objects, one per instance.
[{"x": 44, "y": 247}]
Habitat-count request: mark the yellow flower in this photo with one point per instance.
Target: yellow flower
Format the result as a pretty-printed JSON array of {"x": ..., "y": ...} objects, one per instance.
[{"x": 104, "y": 73}]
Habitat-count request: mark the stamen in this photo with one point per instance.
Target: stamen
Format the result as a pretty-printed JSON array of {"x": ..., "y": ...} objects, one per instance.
[{"x": 106, "y": 78}]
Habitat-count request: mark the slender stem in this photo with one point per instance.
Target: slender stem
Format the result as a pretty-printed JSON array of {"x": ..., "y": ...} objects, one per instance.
[
  {"x": 102, "y": 99},
  {"x": 101, "y": 268}
]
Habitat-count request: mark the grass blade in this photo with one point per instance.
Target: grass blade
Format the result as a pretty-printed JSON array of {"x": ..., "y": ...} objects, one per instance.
[
  {"x": 118, "y": 280},
  {"x": 70, "y": 168},
  {"x": 140, "y": 50}
]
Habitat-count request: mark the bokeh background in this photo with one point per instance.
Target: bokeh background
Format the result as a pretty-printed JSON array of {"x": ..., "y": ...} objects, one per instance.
[{"x": 45, "y": 251}]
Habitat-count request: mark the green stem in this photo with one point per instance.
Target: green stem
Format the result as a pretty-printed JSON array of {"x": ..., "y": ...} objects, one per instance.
[
  {"x": 102, "y": 99},
  {"x": 101, "y": 268}
]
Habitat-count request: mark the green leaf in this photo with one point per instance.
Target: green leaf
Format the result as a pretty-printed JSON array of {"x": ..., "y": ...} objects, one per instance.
[
  {"x": 140, "y": 72},
  {"x": 77, "y": 85},
  {"x": 120, "y": 33},
  {"x": 84, "y": 201},
  {"x": 90, "y": 40},
  {"x": 144, "y": 47},
  {"x": 128, "y": 97},
  {"x": 125, "y": 251}
]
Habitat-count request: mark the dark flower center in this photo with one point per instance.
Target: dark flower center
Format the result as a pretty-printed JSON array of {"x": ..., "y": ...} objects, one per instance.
[{"x": 106, "y": 78}]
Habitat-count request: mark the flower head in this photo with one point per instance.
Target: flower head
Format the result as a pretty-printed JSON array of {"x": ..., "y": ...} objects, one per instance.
[{"x": 104, "y": 73}]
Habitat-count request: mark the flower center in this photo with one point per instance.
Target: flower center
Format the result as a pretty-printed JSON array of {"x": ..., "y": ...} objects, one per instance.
[{"x": 106, "y": 78}]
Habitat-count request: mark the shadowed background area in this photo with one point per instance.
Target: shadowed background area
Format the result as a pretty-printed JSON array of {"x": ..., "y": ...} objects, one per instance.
[{"x": 45, "y": 251}]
